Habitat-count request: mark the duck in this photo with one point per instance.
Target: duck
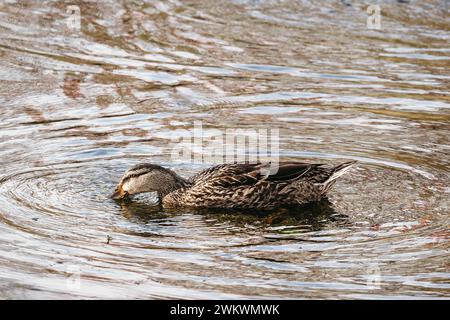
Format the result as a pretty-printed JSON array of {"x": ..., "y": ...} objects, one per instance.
[{"x": 233, "y": 185}]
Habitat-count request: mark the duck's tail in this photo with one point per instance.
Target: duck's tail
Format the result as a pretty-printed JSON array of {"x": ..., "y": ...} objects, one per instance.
[{"x": 336, "y": 172}]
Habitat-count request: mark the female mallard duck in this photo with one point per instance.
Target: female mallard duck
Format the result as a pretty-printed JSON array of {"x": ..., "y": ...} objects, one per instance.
[{"x": 236, "y": 186}]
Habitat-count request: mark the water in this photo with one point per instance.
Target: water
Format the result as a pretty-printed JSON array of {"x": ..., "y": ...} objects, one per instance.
[{"x": 77, "y": 107}]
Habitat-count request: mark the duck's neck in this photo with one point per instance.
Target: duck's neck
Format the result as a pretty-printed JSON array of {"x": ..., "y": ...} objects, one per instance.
[{"x": 172, "y": 183}]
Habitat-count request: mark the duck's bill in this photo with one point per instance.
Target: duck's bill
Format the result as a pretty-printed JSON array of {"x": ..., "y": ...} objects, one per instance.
[{"x": 118, "y": 195}]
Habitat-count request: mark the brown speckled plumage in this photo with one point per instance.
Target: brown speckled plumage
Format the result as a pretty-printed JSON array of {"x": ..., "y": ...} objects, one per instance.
[{"x": 236, "y": 186}]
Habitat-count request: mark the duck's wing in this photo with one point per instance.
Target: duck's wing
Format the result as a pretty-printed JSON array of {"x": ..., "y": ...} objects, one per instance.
[
  {"x": 287, "y": 172},
  {"x": 242, "y": 185},
  {"x": 228, "y": 174},
  {"x": 313, "y": 173},
  {"x": 235, "y": 174}
]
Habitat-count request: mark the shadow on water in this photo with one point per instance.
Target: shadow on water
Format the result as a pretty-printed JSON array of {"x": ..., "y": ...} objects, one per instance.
[{"x": 315, "y": 215}]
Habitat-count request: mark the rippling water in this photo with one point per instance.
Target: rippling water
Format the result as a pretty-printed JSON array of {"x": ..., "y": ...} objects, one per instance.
[{"x": 77, "y": 107}]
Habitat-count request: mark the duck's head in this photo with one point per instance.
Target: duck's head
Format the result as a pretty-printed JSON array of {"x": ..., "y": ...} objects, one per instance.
[{"x": 147, "y": 177}]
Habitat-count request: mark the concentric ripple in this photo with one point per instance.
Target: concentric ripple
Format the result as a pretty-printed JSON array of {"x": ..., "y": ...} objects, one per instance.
[{"x": 135, "y": 249}]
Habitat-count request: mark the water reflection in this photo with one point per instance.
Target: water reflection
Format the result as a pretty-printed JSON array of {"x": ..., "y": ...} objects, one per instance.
[{"x": 312, "y": 216}]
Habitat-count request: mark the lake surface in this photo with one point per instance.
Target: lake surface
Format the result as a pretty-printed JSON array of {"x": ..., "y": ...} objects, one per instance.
[{"x": 78, "y": 106}]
